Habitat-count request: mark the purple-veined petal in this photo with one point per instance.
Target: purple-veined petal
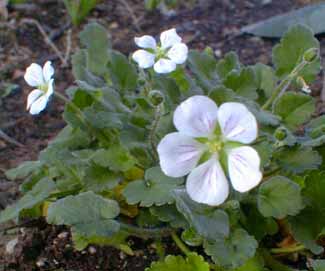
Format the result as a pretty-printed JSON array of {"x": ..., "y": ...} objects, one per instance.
[
  {"x": 164, "y": 65},
  {"x": 169, "y": 38},
  {"x": 48, "y": 71},
  {"x": 244, "y": 168},
  {"x": 33, "y": 96},
  {"x": 38, "y": 105},
  {"x": 196, "y": 116},
  {"x": 178, "y": 154},
  {"x": 178, "y": 53},
  {"x": 34, "y": 75},
  {"x": 144, "y": 59},
  {"x": 208, "y": 184},
  {"x": 237, "y": 123},
  {"x": 146, "y": 42}
]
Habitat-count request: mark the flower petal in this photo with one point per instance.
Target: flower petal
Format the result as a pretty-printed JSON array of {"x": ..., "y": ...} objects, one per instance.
[
  {"x": 237, "y": 123},
  {"x": 178, "y": 53},
  {"x": 244, "y": 168},
  {"x": 178, "y": 154},
  {"x": 48, "y": 71},
  {"x": 144, "y": 59},
  {"x": 169, "y": 38},
  {"x": 196, "y": 116},
  {"x": 208, "y": 184},
  {"x": 34, "y": 75},
  {"x": 164, "y": 65},
  {"x": 146, "y": 42},
  {"x": 33, "y": 96},
  {"x": 38, "y": 105}
]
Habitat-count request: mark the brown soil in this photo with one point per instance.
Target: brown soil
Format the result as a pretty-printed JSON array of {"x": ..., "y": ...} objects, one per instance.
[{"x": 216, "y": 24}]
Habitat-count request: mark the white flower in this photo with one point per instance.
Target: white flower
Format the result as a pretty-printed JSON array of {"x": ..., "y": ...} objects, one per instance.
[
  {"x": 164, "y": 57},
  {"x": 210, "y": 139},
  {"x": 42, "y": 79}
]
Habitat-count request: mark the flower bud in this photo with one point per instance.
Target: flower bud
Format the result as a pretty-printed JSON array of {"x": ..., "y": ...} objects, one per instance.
[
  {"x": 156, "y": 97},
  {"x": 141, "y": 82},
  {"x": 280, "y": 133},
  {"x": 311, "y": 54},
  {"x": 209, "y": 51}
]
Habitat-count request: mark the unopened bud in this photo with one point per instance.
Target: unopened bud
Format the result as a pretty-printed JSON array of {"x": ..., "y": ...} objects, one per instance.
[
  {"x": 156, "y": 97},
  {"x": 280, "y": 134},
  {"x": 141, "y": 82},
  {"x": 209, "y": 51},
  {"x": 311, "y": 54}
]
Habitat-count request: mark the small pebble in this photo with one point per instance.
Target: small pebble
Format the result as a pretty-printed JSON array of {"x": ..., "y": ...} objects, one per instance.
[
  {"x": 122, "y": 255},
  {"x": 63, "y": 235},
  {"x": 10, "y": 247},
  {"x": 92, "y": 250},
  {"x": 218, "y": 53},
  {"x": 41, "y": 262}
]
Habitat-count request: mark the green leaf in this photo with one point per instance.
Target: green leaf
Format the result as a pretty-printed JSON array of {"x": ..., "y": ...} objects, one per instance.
[
  {"x": 253, "y": 264},
  {"x": 234, "y": 251},
  {"x": 309, "y": 223},
  {"x": 99, "y": 179},
  {"x": 265, "y": 225},
  {"x": 122, "y": 72},
  {"x": 94, "y": 37},
  {"x": 318, "y": 265},
  {"x": 294, "y": 109},
  {"x": 23, "y": 170},
  {"x": 289, "y": 53},
  {"x": 117, "y": 158},
  {"x": 40, "y": 192},
  {"x": 276, "y": 26},
  {"x": 279, "y": 197},
  {"x": 103, "y": 119},
  {"x": 156, "y": 188},
  {"x": 192, "y": 238},
  {"x": 229, "y": 63},
  {"x": 297, "y": 159},
  {"x": 203, "y": 66},
  {"x": 169, "y": 214},
  {"x": 243, "y": 82},
  {"x": 209, "y": 222},
  {"x": 118, "y": 241},
  {"x": 266, "y": 79},
  {"x": 193, "y": 262},
  {"x": 87, "y": 213},
  {"x": 79, "y": 9}
]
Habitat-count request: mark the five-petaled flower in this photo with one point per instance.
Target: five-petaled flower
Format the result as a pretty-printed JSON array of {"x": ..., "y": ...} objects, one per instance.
[
  {"x": 209, "y": 142},
  {"x": 41, "y": 78},
  {"x": 164, "y": 57}
]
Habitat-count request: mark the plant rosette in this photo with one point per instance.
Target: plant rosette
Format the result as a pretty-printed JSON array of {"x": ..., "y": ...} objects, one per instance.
[{"x": 175, "y": 143}]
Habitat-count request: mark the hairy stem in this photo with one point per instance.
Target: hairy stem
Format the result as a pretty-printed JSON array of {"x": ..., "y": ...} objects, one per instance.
[
  {"x": 284, "y": 84},
  {"x": 180, "y": 244},
  {"x": 286, "y": 250},
  {"x": 153, "y": 132}
]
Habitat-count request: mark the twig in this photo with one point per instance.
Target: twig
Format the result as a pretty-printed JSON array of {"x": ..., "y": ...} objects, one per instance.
[
  {"x": 10, "y": 140},
  {"x": 322, "y": 94},
  {"x": 46, "y": 38},
  {"x": 132, "y": 14},
  {"x": 68, "y": 49}
]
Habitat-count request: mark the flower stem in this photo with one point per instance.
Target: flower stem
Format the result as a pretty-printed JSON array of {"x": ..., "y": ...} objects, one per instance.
[
  {"x": 284, "y": 84},
  {"x": 286, "y": 250},
  {"x": 180, "y": 244},
  {"x": 153, "y": 130},
  {"x": 160, "y": 249}
]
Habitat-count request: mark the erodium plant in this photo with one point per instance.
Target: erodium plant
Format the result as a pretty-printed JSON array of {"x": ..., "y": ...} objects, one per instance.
[{"x": 223, "y": 158}]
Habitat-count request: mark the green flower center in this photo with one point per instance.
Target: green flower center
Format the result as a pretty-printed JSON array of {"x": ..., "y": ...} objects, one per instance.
[
  {"x": 43, "y": 88},
  {"x": 161, "y": 53},
  {"x": 215, "y": 146}
]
